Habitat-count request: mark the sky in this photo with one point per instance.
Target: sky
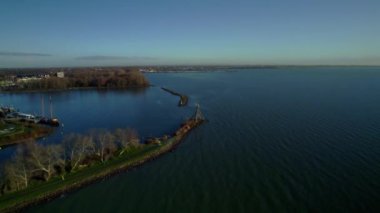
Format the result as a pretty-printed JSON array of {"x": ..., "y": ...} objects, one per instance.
[{"x": 46, "y": 33}]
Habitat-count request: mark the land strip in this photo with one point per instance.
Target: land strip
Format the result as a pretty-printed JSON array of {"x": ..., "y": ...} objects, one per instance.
[{"x": 183, "y": 99}]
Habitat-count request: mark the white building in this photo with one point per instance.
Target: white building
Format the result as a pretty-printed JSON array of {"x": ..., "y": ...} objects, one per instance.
[{"x": 60, "y": 74}]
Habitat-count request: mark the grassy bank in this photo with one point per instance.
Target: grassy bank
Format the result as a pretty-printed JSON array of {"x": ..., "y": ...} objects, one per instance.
[
  {"x": 18, "y": 132},
  {"x": 55, "y": 187}
]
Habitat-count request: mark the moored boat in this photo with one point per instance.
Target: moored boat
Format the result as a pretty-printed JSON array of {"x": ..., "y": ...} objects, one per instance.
[{"x": 53, "y": 122}]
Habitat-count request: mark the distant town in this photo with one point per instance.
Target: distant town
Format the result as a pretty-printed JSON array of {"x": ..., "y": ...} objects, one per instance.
[
  {"x": 19, "y": 79},
  {"x": 66, "y": 78},
  {"x": 114, "y": 77}
]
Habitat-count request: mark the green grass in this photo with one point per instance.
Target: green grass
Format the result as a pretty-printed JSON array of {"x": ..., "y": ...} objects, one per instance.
[
  {"x": 10, "y": 130},
  {"x": 56, "y": 186},
  {"x": 15, "y": 132}
]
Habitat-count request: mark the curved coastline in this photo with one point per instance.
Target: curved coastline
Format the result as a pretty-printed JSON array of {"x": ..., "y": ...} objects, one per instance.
[{"x": 42, "y": 193}]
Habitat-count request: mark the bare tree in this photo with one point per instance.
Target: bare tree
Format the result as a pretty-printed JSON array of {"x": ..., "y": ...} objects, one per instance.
[
  {"x": 44, "y": 159},
  {"x": 104, "y": 143},
  {"x": 109, "y": 147},
  {"x": 127, "y": 138},
  {"x": 17, "y": 170},
  {"x": 133, "y": 138},
  {"x": 77, "y": 148},
  {"x": 35, "y": 161}
]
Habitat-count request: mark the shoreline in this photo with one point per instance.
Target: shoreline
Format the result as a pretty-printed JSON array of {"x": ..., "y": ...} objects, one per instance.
[
  {"x": 73, "y": 89},
  {"x": 37, "y": 131},
  {"x": 19, "y": 200}
]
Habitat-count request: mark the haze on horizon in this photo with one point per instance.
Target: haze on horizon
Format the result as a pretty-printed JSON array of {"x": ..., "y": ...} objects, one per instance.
[{"x": 48, "y": 33}]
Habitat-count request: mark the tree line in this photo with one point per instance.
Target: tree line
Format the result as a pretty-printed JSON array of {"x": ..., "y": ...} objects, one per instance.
[
  {"x": 87, "y": 77},
  {"x": 34, "y": 163}
]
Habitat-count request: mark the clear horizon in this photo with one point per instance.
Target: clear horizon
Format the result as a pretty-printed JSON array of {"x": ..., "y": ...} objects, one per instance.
[{"x": 138, "y": 33}]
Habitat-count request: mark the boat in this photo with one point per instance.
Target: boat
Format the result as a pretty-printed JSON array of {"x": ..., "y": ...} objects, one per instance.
[{"x": 53, "y": 122}]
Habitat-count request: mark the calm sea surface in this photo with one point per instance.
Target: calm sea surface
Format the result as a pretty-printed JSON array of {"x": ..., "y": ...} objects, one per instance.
[{"x": 277, "y": 140}]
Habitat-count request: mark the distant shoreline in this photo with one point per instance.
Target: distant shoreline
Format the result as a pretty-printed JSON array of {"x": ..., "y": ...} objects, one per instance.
[
  {"x": 63, "y": 79},
  {"x": 177, "y": 66},
  {"x": 75, "y": 89}
]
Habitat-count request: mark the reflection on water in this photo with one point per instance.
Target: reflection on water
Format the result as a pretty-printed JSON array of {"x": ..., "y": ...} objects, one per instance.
[
  {"x": 290, "y": 139},
  {"x": 82, "y": 110}
]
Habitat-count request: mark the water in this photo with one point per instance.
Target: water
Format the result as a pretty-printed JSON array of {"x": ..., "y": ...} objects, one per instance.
[
  {"x": 278, "y": 140},
  {"x": 81, "y": 111}
]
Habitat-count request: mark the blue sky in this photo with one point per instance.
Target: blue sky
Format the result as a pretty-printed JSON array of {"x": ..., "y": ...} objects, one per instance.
[{"x": 43, "y": 33}]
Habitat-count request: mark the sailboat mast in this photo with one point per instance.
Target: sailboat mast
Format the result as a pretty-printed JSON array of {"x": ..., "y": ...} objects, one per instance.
[
  {"x": 51, "y": 108},
  {"x": 42, "y": 107}
]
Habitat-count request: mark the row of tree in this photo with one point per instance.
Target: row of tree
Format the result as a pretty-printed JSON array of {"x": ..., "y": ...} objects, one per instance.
[
  {"x": 105, "y": 78},
  {"x": 34, "y": 163}
]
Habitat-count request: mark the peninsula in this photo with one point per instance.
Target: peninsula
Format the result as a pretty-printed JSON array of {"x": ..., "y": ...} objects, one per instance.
[
  {"x": 39, "y": 173},
  {"x": 19, "y": 132},
  {"x": 18, "y": 127}
]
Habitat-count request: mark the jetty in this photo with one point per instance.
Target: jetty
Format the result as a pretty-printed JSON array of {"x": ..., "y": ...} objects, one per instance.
[{"x": 183, "y": 99}]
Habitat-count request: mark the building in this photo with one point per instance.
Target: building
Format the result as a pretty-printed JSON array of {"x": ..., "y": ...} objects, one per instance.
[
  {"x": 27, "y": 79},
  {"x": 25, "y": 116},
  {"x": 60, "y": 74}
]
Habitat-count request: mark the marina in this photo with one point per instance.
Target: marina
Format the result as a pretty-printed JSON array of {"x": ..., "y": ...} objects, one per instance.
[
  {"x": 19, "y": 127},
  {"x": 10, "y": 114}
]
